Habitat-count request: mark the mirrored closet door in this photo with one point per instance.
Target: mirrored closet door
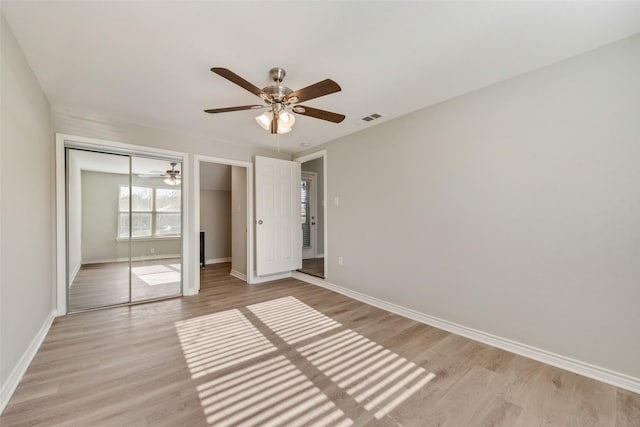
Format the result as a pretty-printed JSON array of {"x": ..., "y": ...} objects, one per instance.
[{"x": 124, "y": 234}]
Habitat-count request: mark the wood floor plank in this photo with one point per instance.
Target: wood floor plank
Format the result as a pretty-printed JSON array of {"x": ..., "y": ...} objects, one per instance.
[
  {"x": 627, "y": 409},
  {"x": 290, "y": 353}
]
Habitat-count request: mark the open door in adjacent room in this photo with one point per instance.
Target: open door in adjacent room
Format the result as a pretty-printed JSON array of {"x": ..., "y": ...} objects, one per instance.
[{"x": 278, "y": 230}]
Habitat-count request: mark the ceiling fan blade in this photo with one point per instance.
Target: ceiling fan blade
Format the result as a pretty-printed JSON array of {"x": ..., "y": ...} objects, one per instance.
[
  {"x": 318, "y": 114},
  {"x": 240, "y": 108},
  {"x": 233, "y": 77},
  {"x": 316, "y": 90}
]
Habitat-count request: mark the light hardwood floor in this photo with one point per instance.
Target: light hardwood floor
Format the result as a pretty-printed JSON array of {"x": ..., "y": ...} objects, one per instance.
[{"x": 290, "y": 353}]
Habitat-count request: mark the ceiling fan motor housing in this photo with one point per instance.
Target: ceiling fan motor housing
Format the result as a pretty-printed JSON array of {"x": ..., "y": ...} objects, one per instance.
[{"x": 277, "y": 92}]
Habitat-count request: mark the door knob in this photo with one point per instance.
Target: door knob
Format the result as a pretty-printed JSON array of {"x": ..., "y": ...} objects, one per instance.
[{"x": 259, "y": 221}]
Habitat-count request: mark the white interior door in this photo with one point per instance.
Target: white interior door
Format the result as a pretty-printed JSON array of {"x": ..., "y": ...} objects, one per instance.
[
  {"x": 278, "y": 231},
  {"x": 308, "y": 208}
]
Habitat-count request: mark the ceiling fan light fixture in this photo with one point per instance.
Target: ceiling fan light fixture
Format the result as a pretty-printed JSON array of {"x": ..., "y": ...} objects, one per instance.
[
  {"x": 264, "y": 120},
  {"x": 172, "y": 180},
  {"x": 285, "y": 121}
]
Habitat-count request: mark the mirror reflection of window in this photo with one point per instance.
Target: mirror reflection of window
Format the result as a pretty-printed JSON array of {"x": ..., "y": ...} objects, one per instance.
[
  {"x": 305, "y": 207},
  {"x": 155, "y": 212}
]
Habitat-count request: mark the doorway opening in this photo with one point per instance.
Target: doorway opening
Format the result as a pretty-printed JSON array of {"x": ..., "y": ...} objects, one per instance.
[
  {"x": 222, "y": 207},
  {"x": 313, "y": 214}
]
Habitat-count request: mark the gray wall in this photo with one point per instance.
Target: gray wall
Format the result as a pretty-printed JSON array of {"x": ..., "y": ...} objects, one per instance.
[
  {"x": 514, "y": 209},
  {"x": 316, "y": 166},
  {"x": 239, "y": 219},
  {"x": 26, "y": 211},
  {"x": 100, "y": 223},
  {"x": 215, "y": 221}
]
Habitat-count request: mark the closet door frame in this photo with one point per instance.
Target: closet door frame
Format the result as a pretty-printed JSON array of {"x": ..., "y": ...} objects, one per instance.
[{"x": 64, "y": 141}]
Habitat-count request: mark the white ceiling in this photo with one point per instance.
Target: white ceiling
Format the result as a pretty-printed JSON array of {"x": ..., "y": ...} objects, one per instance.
[{"x": 148, "y": 62}]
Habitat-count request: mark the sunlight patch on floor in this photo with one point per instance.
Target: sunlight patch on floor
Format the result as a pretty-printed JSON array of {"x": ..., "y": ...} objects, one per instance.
[
  {"x": 292, "y": 320},
  {"x": 274, "y": 393},
  {"x": 220, "y": 340},
  {"x": 374, "y": 376},
  {"x": 157, "y": 274},
  {"x": 276, "y": 384}
]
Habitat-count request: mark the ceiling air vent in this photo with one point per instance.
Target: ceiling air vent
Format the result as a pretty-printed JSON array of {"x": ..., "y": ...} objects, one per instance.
[{"x": 372, "y": 117}]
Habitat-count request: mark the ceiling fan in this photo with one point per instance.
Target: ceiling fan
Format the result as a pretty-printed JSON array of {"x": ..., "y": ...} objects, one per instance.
[
  {"x": 281, "y": 101},
  {"x": 172, "y": 176}
]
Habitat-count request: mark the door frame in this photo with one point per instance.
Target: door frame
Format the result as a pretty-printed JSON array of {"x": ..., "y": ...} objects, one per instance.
[
  {"x": 313, "y": 177},
  {"x": 197, "y": 159},
  {"x": 305, "y": 158},
  {"x": 61, "y": 205}
]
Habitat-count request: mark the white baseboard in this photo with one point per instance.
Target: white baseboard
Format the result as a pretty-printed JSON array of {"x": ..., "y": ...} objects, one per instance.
[
  {"x": 135, "y": 258},
  {"x": 319, "y": 255},
  {"x": 190, "y": 292},
  {"x": 74, "y": 273},
  {"x": 18, "y": 371},
  {"x": 217, "y": 260},
  {"x": 264, "y": 279},
  {"x": 239, "y": 275},
  {"x": 582, "y": 368}
]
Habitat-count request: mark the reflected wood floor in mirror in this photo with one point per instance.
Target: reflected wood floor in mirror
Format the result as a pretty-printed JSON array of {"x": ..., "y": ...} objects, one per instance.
[
  {"x": 313, "y": 266},
  {"x": 103, "y": 284},
  {"x": 290, "y": 353}
]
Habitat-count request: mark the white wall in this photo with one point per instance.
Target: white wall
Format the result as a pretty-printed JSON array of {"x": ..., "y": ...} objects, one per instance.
[
  {"x": 26, "y": 213},
  {"x": 239, "y": 219},
  {"x": 317, "y": 166},
  {"x": 74, "y": 221},
  {"x": 215, "y": 221},
  {"x": 514, "y": 209}
]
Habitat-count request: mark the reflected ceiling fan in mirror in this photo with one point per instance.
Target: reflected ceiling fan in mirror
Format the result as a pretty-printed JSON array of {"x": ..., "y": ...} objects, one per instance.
[
  {"x": 280, "y": 101},
  {"x": 172, "y": 176}
]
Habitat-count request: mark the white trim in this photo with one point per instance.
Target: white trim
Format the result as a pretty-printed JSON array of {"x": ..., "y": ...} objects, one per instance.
[
  {"x": 61, "y": 229},
  {"x": 21, "y": 367},
  {"x": 312, "y": 156},
  {"x": 239, "y": 275},
  {"x": 265, "y": 279},
  {"x": 61, "y": 244},
  {"x": 582, "y": 368},
  {"x": 189, "y": 292},
  {"x": 319, "y": 255},
  {"x": 216, "y": 260},
  {"x": 197, "y": 158},
  {"x": 76, "y": 141}
]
